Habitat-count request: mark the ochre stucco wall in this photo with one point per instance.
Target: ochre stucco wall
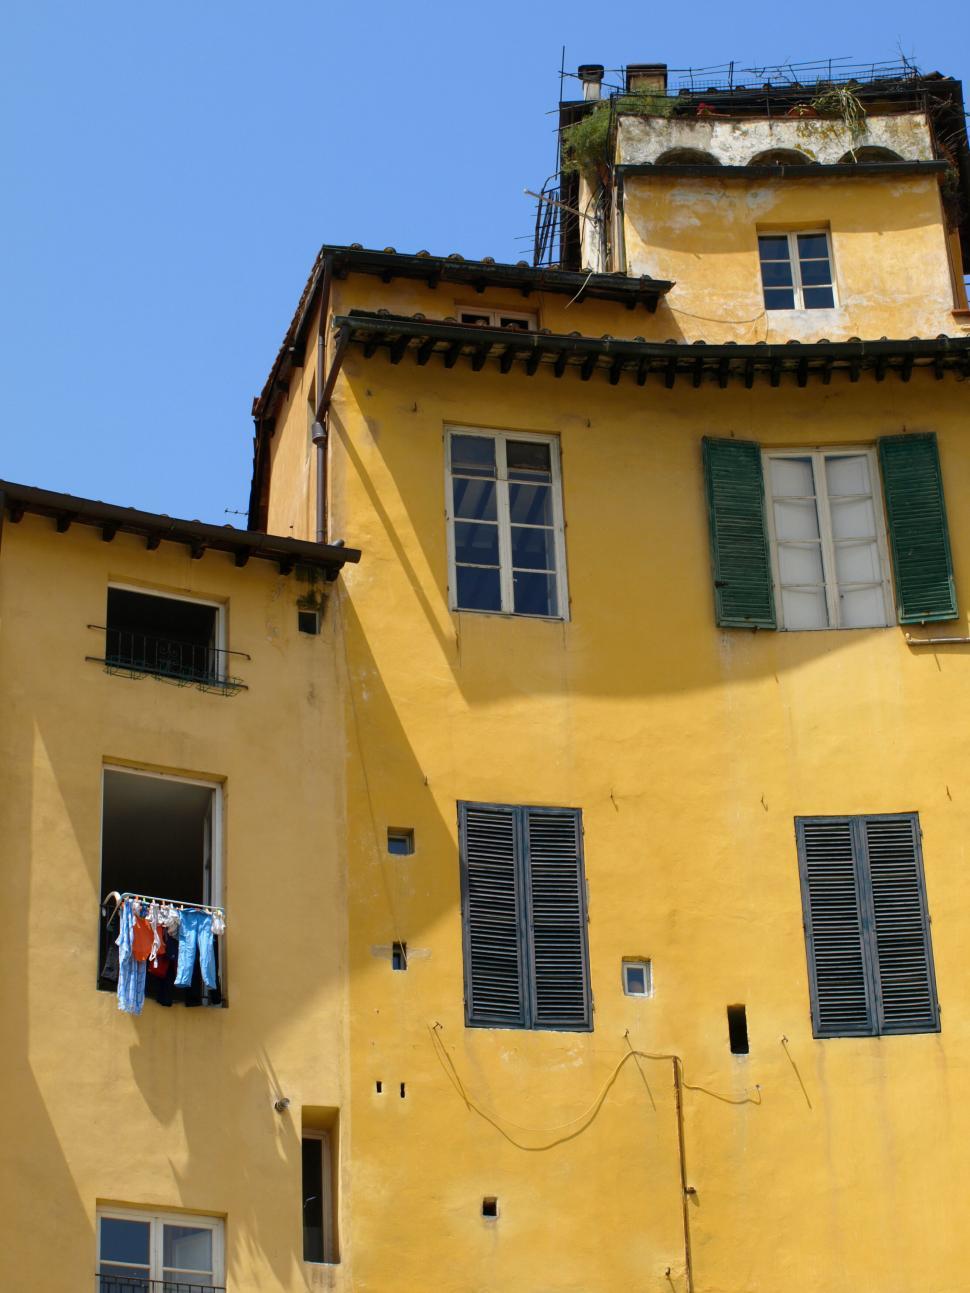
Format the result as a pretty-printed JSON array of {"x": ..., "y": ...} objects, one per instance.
[
  {"x": 173, "y": 1109},
  {"x": 690, "y": 752}
]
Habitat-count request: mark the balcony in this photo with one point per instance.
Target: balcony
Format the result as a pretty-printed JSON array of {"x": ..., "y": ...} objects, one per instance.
[
  {"x": 174, "y": 639},
  {"x": 177, "y": 1282}
]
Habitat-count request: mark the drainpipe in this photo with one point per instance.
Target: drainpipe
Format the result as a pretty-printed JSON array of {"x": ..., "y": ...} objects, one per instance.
[
  {"x": 320, "y": 428},
  {"x": 686, "y": 1191}
]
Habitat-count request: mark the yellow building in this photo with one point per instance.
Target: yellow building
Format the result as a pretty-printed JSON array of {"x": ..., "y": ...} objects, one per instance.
[{"x": 593, "y": 878}]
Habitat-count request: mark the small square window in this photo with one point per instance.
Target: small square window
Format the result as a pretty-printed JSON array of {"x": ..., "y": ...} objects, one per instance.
[
  {"x": 637, "y": 978},
  {"x": 489, "y": 1207},
  {"x": 796, "y": 270},
  {"x": 400, "y": 841},
  {"x": 399, "y": 956},
  {"x": 308, "y": 621}
]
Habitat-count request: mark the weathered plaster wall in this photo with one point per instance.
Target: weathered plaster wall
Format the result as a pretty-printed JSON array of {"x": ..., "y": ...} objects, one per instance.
[
  {"x": 173, "y": 1109},
  {"x": 736, "y": 141},
  {"x": 889, "y": 249}
]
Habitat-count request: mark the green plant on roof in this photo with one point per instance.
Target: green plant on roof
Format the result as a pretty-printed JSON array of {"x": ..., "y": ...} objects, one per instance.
[
  {"x": 842, "y": 101},
  {"x": 585, "y": 144}
]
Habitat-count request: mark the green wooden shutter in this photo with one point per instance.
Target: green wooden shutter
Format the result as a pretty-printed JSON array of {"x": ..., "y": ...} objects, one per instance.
[
  {"x": 918, "y": 533},
  {"x": 491, "y": 921},
  {"x": 744, "y": 595},
  {"x": 903, "y": 962},
  {"x": 556, "y": 921},
  {"x": 839, "y": 969}
]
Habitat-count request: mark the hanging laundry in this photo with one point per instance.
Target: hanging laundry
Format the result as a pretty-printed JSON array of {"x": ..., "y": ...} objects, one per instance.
[
  {"x": 196, "y": 933},
  {"x": 131, "y": 972},
  {"x": 143, "y": 935},
  {"x": 170, "y": 918}
]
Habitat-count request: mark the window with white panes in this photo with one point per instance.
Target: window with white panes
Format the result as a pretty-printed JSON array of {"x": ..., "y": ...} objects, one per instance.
[
  {"x": 518, "y": 321},
  {"x": 505, "y": 526},
  {"x": 178, "y": 1252},
  {"x": 828, "y": 539},
  {"x": 796, "y": 270}
]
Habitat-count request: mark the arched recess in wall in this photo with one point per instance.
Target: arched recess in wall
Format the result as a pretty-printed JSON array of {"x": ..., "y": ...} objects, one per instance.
[
  {"x": 871, "y": 153},
  {"x": 782, "y": 157},
  {"x": 686, "y": 157}
]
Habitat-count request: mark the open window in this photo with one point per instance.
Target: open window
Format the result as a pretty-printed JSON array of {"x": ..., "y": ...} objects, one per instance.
[
  {"x": 177, "y": 639},
  {"x": 319, "y": 1169},
  {"x": 160, "y": 838}
]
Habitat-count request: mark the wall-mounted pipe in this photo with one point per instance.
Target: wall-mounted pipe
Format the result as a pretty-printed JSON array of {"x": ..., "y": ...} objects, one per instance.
[
  {"x": 936, "y": 641},
  {"x": 320, "y": 440}
]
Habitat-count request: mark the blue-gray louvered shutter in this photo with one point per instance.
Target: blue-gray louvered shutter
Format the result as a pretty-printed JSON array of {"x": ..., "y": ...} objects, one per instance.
[
  {"x": 744, "y": 593},
  {"x": 491, "y": 920},
  {"x": 918, "y": 533},
  {"x": 903, "y": 961},
  {"x": 556, "y": 919},
  {"x": 839, "y": 974}
]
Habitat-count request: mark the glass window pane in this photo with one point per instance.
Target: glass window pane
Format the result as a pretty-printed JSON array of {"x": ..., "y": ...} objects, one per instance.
[
  {"x": 804, "y": 610},
  {"x": 779, "y": 298},
  {"x": 777, "y": 273},
  {"x": 773, "y": 246},
  {"x": 535, "y": 594},
  {"x": 476, "y": 543},
  {"x": 478, "y": 590},
  {"x": 473, "y": 455},
  {"x": 520, "y": 325},
  {"x": 853, "y": 518},
  {"x": 792, "y": 476},
  {"x": 528, "y": 456},
  {"x": 533, "y": 549},
  {"x": 636, "y": 983},
  {"x": 530, "y": 504},
  {"x": 818, "y": 298},
  {"x": 812, "y": 245},
  {"x": 800, "y": 565},
  {"x": 469, "y": 316},
  {"x": 474, "y": 499},
  {"x": 125, "y": 1241},
  {"x": 814, "y": 272},
  {"x": 123, "y": 1279},
  {"x": 312, "y": 1200},
  {"x": 857, "y": 563},
  {"x": 847, "y": 474},
  {"x": 187, "y": 1247},
  {"x": 862, "y": 608},
  {"x": 796, "y": 520}
]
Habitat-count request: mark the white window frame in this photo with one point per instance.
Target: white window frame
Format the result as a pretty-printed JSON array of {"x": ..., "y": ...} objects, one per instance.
[
  {"x": 827, "y": 545},
  {"x": 159, "y": 1218},
  {"x": 496, "y": 316},
  {"x": 325, "y": 1136},
  {"x": 215, "y": 787},
  {"x": 507, "y": 589},
  {"x": 796, "y": 273},
  {"x": 638, "y": 963},
  {"x": 221, "y": 636}
]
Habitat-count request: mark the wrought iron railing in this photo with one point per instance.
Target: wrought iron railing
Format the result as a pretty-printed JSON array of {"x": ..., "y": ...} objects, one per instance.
[
  {"x": 106, "y": 1282},
  {"x": 187, "y": 664}
]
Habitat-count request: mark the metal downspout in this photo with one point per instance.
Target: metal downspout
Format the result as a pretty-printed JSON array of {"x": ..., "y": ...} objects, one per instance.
[
  {"x": 320, "y": 426},
  {"x": 685, "y": 1190}
]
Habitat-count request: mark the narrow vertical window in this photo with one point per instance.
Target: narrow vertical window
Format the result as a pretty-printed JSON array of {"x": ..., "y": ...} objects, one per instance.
[
  {"x": 870, "y": 959},
  {"x": 319, "y": 1244},
  {"x": 505, "y": 524},
  {"x": 796, "y": 270}
]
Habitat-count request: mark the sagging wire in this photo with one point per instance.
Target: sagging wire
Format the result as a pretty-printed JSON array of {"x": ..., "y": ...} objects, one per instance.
[{"x": 582, "y": 1120}]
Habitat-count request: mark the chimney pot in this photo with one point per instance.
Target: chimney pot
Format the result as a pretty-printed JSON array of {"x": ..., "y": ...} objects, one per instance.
[{"x": 591, "y": 75}]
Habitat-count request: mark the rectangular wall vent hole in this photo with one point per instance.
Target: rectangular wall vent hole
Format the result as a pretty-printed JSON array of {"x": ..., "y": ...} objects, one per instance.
[
  {"x": 489, "y": 1207},
  {"x": 738, "y": 1029}
]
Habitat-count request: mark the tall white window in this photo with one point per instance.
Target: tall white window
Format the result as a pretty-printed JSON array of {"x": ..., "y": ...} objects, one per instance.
[
  {"x": 505, "y": 529},
  {"x": 796, "y": 270},
  {"x": 828, "y": 540},
  {"x": 180, "y": 1252}
]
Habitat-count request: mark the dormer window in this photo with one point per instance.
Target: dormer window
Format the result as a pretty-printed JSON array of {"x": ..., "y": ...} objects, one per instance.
[{"x": 796, "y": 270}]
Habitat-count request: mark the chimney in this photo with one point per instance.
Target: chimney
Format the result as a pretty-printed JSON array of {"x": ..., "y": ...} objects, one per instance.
[
  {"x": 591, "y": 75},
  {"x": 646, "y": 78}
]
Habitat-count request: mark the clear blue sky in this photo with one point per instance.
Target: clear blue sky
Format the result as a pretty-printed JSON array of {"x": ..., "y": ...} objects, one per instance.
[{"x": 169, "y": 171}]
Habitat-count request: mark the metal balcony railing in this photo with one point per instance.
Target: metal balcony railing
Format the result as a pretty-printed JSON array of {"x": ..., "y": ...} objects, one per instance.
[
  {"x": 110, "y": 1283},
  {"x": 187, "y": 664}
]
